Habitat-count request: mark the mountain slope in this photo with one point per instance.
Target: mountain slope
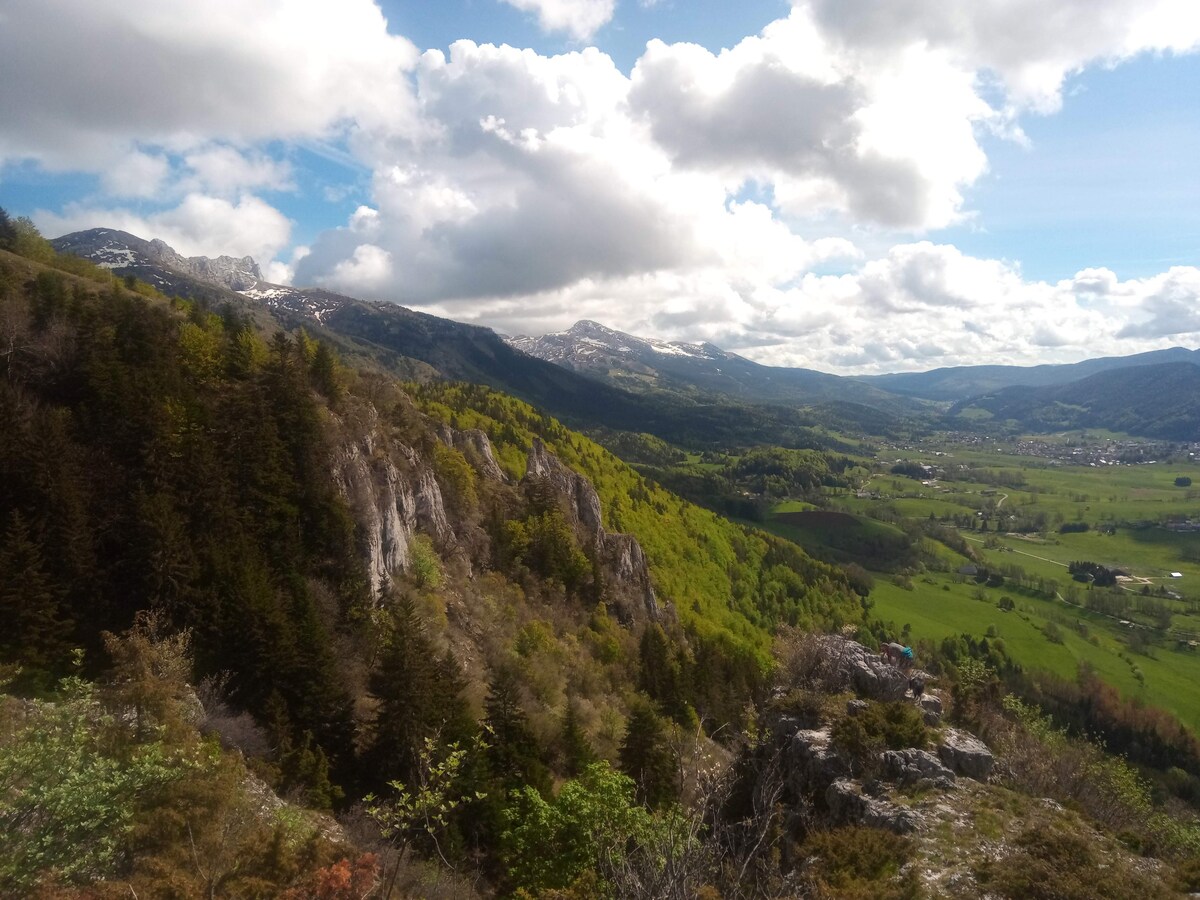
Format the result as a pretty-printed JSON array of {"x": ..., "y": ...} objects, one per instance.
[
  {"x": 419, "y": 346},
  {"x": 1161, "y": 401},
  {"x": 689, "y": 369},
  {"x": 963, "y": 382}
]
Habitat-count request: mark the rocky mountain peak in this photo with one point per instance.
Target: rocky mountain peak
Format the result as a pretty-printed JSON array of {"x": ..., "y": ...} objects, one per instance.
[{"x": 129, "y": 254}]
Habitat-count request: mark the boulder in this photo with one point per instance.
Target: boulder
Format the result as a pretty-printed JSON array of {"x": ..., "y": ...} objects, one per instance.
[
  {"x": 849, "y": 806},
  {"x": 931, "y": 719},
  {"x": 854, "y": 707},
  {"x": 811, "y": 763},
  {"x": 930, "y": 703},
  {"x": 966, "y": 754},
  {"x": 848, "y": 664},
  {"x": 916, "y": 768}
]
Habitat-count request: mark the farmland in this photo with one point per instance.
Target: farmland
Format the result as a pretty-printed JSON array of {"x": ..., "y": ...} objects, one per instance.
[{"x": 1011, "y": 509}]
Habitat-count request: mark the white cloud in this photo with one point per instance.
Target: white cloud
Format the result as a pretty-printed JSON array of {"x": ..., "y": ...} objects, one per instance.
[
  {"x": 199, "y": 226},
  {"x": 137, "y": 175},
  {"x": 82, "y": 80},
  {"x": 226, "y": 171},
  {"x": 579, "y": 18}
]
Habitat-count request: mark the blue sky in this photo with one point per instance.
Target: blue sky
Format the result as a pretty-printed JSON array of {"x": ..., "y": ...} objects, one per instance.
[{"x": 851, "y": 185}]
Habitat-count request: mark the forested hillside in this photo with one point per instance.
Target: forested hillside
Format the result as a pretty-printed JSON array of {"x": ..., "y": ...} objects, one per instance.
[
  {"x": 162, "y": 457},
  {"x": 1158, "y": 401}
]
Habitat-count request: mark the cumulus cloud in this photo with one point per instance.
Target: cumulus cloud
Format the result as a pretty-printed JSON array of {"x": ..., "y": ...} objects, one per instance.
[
  {"x": 199, "y": 226},
  {"x": 579, "y": 18},
  {"x": 227, "y": 171},
  {"x": 83, "y": 80}
]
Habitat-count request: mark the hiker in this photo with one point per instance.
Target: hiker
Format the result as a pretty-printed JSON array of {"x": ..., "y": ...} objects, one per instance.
[{"x": 897, "y": 655}]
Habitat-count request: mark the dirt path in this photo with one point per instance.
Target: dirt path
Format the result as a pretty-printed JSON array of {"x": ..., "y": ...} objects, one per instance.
[{"x": 1022, "y": 552}]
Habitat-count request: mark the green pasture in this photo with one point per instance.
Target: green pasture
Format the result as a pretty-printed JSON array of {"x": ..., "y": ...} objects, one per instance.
[{"x": 938, "y": 607}]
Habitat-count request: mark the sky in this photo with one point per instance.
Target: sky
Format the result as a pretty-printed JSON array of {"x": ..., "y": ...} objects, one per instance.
[{"x": 856, "y": 186}]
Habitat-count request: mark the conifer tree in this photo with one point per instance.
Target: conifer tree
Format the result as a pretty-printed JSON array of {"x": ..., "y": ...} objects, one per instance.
[
  {"x": 646, "y": 756},
  {"x": 35, "y": 632},
  {"x": 513, "y": 752},
  {"x": 577, "y": 751}
]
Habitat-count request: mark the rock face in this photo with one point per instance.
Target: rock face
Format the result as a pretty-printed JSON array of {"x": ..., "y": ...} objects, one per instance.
[
  {"x": 393, "y": 493},
  {"x": 475, "y": 446},
  {"x": 235, "y": 274},
  {"x": 390, "y": 501},
  {"x": 966, "y": 754},
  {"x": 620, "y": 557},
  {"x": 850, "y": 665},
  {"x": 810, "y": 763}
]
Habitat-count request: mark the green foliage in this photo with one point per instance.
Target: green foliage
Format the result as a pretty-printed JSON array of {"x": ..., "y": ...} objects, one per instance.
[
  {"x": 859, "y": 863},
  {"x": 545, "y": 543},
  {"x": 457, "y": 478},
  {"x": 646, "y": 756},
  {"x": 592, "y": 825},
  {"x": 881, "y": 726},
  {"x": 8, "y": 231},
  {"x": 419, "y": 698},
  {"x": 71, "y": 780},
  {"x": 1057, "y": 864},
  {"x": 30, "y": 243},
  {"x": 424, "y": 565},
  {"x": 421, "y": 809}
]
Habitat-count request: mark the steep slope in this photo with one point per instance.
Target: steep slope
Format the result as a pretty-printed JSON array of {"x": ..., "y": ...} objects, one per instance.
[
  {"x": 1161, "y": 401},
  {"x": 963, "y": 382},
  {"x": 690, "y": 369}
]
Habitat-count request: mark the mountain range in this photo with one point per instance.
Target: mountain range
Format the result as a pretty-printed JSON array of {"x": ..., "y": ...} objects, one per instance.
[{"x": 696, "y": 394}]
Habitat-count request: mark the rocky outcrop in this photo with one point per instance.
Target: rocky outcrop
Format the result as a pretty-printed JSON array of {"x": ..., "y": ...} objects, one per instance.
[
  {"x": 848, "y": 665},
  {"x": 966, "y": 754},
  {"x": 477, "y": 448},
  {"x": 811, "y": 763},
  {"x": 621, "y": 559},
  {"x": 849, "y": 806},
  {"x": 235, "y": 274},
  {"x": 392, "y": 496},
  {"x": 916, "y": 768}
]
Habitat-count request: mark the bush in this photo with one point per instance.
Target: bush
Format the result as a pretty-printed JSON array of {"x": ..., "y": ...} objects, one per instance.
[
  {"x": 879, "y": 727},
  {"x": 1052, "y": 864},
  {"x": 857, "y": 862}
]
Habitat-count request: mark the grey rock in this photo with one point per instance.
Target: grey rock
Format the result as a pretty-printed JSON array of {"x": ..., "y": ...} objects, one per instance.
[
  {"x": 811, "y": 763},
  {"x": 392, "y": 496},
  {"x": 851, "y": 665},
  {"x": 854, "y": 707},
  {"x": 931, "y": 719},
  {"x": 235, "y": 274},
  {"x": 848, "y": 806},
  {"x": 930, "y": 703},
  {"x": 966, "y": 754},
  {"x": 916, "y": 768}
]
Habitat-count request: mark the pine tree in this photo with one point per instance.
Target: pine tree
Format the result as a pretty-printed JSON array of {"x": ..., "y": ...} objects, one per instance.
[
  {"x": 406, "y": 687},
  {"x": 35, "y": 634},
  {"x": 646, "y": 756},
  {"x": 577, "y": 751},
  {"x": 513, "y": 752}
]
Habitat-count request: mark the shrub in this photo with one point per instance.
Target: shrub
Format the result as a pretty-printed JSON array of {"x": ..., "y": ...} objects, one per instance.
[{"x": 858, "y": 862}]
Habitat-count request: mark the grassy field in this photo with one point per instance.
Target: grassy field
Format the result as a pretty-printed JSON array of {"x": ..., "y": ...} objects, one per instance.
[
  {"x": 938, "y": 607},
  {"x": 1013, "y": 490}
]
